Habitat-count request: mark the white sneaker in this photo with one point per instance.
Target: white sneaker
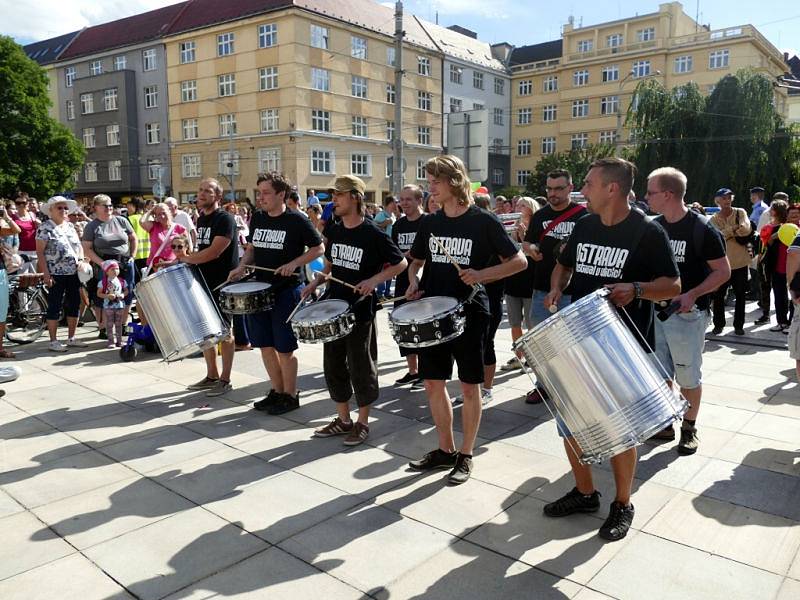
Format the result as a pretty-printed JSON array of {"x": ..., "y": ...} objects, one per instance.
[
  {"x": 56, "y": 346},
  {"x": 486, "y": 397},
  {"x": 75, "y": 343},
  {"x": 512, "y": 365}
]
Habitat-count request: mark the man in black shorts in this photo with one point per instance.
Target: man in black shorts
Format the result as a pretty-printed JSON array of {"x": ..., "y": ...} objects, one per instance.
[
  {"x": 283, "y": 240},
  {"x": 355, "y": 252},
  {"x": 618, "y": 248},
  {"x": 473, "y": 238}
]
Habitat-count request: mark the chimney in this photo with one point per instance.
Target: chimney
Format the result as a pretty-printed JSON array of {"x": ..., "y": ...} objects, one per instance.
[{"x": 463, "y": 31}]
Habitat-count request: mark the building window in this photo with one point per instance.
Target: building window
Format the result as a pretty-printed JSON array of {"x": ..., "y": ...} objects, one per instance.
[
  {"x": 477, "y": 106},
  {"x": 548, "y": 145},
  {"x": 718, "y": 59},
  {"x": 524, "y": 147},
  {"x": 110, "y": 99},
  {"x": 69, "y": 76},
  {"x": 322, "y": 161},
  {"x": 524, "y": 116},
  {"x": 390, "y": 130},
  {"x": 269, "y": 159},
  {"x": 609, "y": 105},
  {"x": 190, "y": 166},
  {"x": 390, "y": 93},
  {"x": 88, "y": 137},
  {"x": 579, "y": 140},
  {"x": 422, "y": 174},
  {"x": 585, "y": 45},
  {"x": 523, "y": 177},
  {"x": 153, "y": 169},
  {"x": 114, "y": 170},
  {"x": 456, "y": 74},
  {"x": 151, "y": 96},
  {"x": 610, "y": 73},
  {"x": 424, "y": 135},
  {"x": 525, "y": 87},
  {"x": 188, "y": 91},
  {"x": 190, "y": 129},
  {"x": 361, "y": 164},
  {"x": 269, "y": 120},
  {"x": 228, "y": 162},
  {"x": 358, "y": 87},
  {"x": 152, "y": 132},
  {"x": 360, "y": 126},
  {"x": 391, "y": 56},
  {"x": 499, "y": 86},
  {"x": 227, "y": 125},
  {"x": 87, "y": 104},
  {"x": 120, "y": 63},
  {"x": 319, "y": 37},
  {"x": 683, "y": 64},
  {"x": 550, "y": 84},
  {"x": 608, "y": 137},
  {"x": 646, "y": 35},
  {"x": 477, "y": 80},
  {"x": 267, "y": 35},
  {"x": 549, "y": 113},
  {"x": 320, "y": 120},
  {"x": 497, "y": 116},
  {"x": 614, "y": 40},
  {"x": 268, "y": 78},
  {"x": 641, "y": 68},
  {"x": 424, "y": 100},
  {"x": 580, "y": 108},
  {"x": 70, "y": 110},
  {"x": 112, "y": 135},
  {"x": 187, "y": 52},
  {"x": 498, "y": 176},
  {"x": 90, "y": 172},
  {"x": 496, "y": 145},
  {"x": 424, "y": 66},
  {"x": 580, "y": 77},
  {"x": 358, "y": 47},
  {"x": 225, "y": 44},
  {"x": 227, "y": 84},
  {"x": 149, "y": 60},
  {"x": 456, "y": 105},
  {"x": 320, "y": 79},
  {"x": 96, "y": 67}
]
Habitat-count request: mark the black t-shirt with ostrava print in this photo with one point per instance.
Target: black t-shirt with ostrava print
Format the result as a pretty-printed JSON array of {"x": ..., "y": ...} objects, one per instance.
[
  {"x": 794, "y": 284},
  {"x": 357, "y": 254},
  {"x": 473, "y": 239},
  {"x": 552, "y": 243},
  {"x": 219, "y": 223},
  {"x": 279, "y": 240},
  {"x": 403, "y": 233},
  {"x": 693, "y": 262},
  {"x": 635, "y": 249}
]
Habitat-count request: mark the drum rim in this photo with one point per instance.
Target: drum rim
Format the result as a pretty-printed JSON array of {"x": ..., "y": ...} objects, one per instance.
[
  {"x": 257, "y": 290},
  {"x": 298, "y": 321},
  {"x": 434, "y": 317}
]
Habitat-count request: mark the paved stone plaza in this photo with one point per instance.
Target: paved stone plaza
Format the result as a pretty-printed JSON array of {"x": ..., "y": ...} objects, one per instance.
[{"x": 116, "y": 483}]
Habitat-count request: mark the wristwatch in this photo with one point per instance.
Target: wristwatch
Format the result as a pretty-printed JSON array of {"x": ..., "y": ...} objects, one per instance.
[{"x": 637, "y": 290}]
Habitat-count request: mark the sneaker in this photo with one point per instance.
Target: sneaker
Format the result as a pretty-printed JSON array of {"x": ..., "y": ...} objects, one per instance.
[
  {"x": 667, "y": 434},
  {"x": 407, "y": 378},
  {"x": 777, "y": 328},
  {"x": 204, "y": 384},
  {"x": 461, "y": 471},
  {"x": 358, "y": 434},
  {"x": 536, "y": 396},
  {"x": 419, "y": 384},
  {"x": 486, "y": 397},
  {"x": 573, "y": 502},
  {"x": 716, "y": 331},
  {"x": 435, "y": 459},
  {"x": 618, "y": 522},
  {"x": 102, "y": 335},
  {"x": 56, "y": 346},
  {"x": 220, "y": 387},
  {"x": 738, "y": 331},
  {"x": 689, "y": 440},
  {"x": 335, "y": 427},
  {"x": 762, "y": 320},
  {"x": 265, "y": 403},
  {"x": 457, "y": 401},
  {"x": 110, "y": 345},
  {"x": 284, "y": 403},
  {"x": 73, "y": 343},
  {"x": 512, "y": 365}
]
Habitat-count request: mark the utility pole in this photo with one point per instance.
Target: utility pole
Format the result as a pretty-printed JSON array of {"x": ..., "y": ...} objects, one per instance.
[{"x": 397, "y": 160}]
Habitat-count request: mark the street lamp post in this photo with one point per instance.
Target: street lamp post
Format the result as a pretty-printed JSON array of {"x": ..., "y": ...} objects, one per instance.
[
  {"x": 618, "y": 134},
  {"x": 231, "y": 174}
]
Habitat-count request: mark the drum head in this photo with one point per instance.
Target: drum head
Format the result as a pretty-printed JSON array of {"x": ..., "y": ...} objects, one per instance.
[
  {"x": 246, "y": 287},
  {"x": 424, "y": 308},
  {"x": 321, "y": 311}
]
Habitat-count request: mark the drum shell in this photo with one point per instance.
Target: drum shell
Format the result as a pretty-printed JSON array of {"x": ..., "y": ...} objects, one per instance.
[
  {"x": 181, "y": 314},
  {"x": 246, "y": 303},
  {"x": 322, "y": 330},
  {"x": 429, "y": 330},
  {"x": 602, "y": 384}
]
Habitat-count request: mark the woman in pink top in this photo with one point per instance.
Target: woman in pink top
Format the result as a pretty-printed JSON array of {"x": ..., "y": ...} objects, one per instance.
[
  {"x": 157, "y": 222},
  {"x": 28, "y": 223}
]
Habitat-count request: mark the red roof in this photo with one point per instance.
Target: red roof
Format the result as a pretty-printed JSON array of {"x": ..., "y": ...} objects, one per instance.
[{"x": 202, "y": 13}]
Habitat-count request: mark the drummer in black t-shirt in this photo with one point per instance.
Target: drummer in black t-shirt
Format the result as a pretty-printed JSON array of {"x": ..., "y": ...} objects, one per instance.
[
  {"x": 473, "y": 238},
  {"x": 403, "y": 234},
  {"x": 284, "y": 240},
  {"x": 699, "y": 249},
  {"x": 617, "y": 248},
  {"x": 355, "y": 252},
  {"x": 217, "y": 254}
]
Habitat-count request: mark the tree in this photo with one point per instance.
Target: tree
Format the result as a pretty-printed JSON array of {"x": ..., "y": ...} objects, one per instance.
[
  {"x": 577, "y": 161},
  {"x": 37, "y": 153}
]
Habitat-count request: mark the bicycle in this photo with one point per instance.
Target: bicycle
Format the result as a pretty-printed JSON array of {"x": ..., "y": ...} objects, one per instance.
[{"x": 27, "y": 308}]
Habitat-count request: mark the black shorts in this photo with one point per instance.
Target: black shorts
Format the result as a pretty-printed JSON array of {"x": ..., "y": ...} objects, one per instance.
[{"x": 436, "y": 362}]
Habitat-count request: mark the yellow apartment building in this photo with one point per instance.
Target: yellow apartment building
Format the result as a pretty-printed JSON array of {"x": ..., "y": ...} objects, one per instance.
[
  {"x": 301, "y": 92},
  {"x": 568, "y": 94}
]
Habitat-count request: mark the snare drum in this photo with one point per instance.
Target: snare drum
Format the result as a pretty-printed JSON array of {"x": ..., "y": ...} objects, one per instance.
[
  {"x": 246, "y": 298},
  {"x": 427, "y": 321},
  {"x": 323, "y": 321}
]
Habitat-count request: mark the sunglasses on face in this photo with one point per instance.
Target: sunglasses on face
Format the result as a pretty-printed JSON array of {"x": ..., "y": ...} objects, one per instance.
[
  {"x": 177, "y": 246},
  {"x": 106, "y": 205},
  {"x": 61, "y": 207}
]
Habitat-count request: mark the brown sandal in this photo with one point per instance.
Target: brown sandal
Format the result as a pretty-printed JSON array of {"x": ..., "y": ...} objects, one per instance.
[{"x": 7, "y": 354}]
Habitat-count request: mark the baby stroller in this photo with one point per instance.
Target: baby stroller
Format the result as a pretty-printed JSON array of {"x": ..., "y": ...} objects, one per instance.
[{"x": 139, "y": 336}]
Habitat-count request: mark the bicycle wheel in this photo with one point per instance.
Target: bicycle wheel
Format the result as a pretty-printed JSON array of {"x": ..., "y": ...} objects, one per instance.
[{"x": 24, "y": 327}]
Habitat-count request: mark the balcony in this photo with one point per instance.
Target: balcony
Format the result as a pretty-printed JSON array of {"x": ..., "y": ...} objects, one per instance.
[
  {"x": 703, "y": 38},
  {"x": 537, "y": 66},
  {"x": 635, "y": 47}
]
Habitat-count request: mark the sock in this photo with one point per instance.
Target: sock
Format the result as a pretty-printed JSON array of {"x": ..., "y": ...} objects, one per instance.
[
  {"x": 690, "y": 421},
  {"x": 465, "y": 455},
  {"x": 447, "y": 453}
]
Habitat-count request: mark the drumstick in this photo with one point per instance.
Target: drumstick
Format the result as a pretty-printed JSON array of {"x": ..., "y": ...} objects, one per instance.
[
  {"x": 387, "y": 300},
  {"x": 296, "y": 308},
  {"x": 441, "y": 246},
  {"x": 261, "y": 268},
  {"x": 332, "y": 278}
]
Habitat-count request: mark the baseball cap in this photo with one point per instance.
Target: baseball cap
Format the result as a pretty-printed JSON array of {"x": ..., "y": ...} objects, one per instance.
[
  {"x": 754, "y": 190},
  {"x": 723, "y": 192},
  {"x": 349, "y": 183},
  {"x": 313, "y": 200}
]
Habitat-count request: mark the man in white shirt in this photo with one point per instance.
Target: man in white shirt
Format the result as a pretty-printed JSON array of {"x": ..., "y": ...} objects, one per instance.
[{"x": 183, "y": 218}]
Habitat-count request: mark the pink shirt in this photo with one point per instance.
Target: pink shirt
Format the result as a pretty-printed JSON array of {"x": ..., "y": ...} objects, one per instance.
[
  {"x": 27, "y": 235},
  {"x": 157, "y": 236}
]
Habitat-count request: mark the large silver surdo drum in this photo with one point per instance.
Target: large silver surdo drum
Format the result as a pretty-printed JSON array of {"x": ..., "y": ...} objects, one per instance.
[
  {"x": 602, "y": 384},
  {"x": 181, "y": 314}
]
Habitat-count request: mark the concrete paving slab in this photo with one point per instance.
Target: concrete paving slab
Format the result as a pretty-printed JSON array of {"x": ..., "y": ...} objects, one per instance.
[
  {"x": 518, "y": 469},
  {"x": 21, "y": 424},
  {"x": 540, "y": 435},
  {"x": 762, "y": 453},
  {"x": 9, "y": 506},
  {"x": 23, "y": 550},
  {"x": 773, "y": 427},
  {"x": 291, "y": 447},
  {"x": 30, "y": 451},
  {"x": 790, "y": 590},
  {"x": 117, "y": 428},
  {"x": 725, "y": 417}
]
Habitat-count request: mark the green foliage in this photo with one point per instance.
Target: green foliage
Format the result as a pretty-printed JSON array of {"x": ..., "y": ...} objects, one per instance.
[
  {"x": 576, "y": 161},
  {"x": 37, "y": 153}
]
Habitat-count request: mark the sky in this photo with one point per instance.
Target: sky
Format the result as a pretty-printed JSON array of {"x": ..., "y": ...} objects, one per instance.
[{"x": 518, "y": 22}]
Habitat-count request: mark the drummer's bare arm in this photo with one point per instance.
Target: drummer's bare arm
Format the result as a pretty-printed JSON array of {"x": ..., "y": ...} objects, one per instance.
[
  {"x": 366, "y": 287},
  {"x": 312, "y": 253},
  {"x": 215, "y": 250},
  {"x": 559, "y": 280},
  {"x": 720, "y": 273},
  {"x": 532, "y": 250},
  {"x": 661, "y": 288},
  {"x": 247, "y": 259},
  {"x": 413, "y": 291}
]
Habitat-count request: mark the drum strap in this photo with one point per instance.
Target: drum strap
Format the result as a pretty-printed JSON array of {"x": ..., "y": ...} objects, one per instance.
[{"x": 560, "y": 219}]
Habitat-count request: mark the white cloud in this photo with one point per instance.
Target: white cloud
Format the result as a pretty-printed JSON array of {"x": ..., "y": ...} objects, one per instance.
[{"x": 496, "y": 9}]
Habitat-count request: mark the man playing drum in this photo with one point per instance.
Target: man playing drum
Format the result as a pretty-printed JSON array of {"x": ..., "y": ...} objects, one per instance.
[
  {"x": 700, "y": 252},
  {"x": 472, "y": 238},
  {"x": 283, "y": 240},
  {"x": 216, "y": 256},
  {"x": 617, "y": 248},
  {"x": 355, "y": 253}
]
